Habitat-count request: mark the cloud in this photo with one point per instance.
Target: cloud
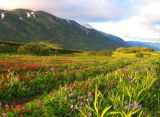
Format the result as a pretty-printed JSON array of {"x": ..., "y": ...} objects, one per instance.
[
  {"x": 142, "y": 25},
  {"x": 81, "y": 10},
  {"x": 150, "y": 11}
]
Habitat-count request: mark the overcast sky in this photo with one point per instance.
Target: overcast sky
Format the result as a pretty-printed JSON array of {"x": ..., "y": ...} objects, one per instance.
[{"x": 129, "y": 19}]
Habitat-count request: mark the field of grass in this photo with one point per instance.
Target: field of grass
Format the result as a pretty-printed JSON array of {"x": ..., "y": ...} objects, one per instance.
[{"x": 79, "y": 85}]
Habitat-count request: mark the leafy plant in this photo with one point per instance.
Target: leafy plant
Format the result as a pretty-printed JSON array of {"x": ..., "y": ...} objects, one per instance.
[
  {"x": 96, "y": 109},
  {"x": 106, "y": 52},
  {"x": 139, "y": 55}
]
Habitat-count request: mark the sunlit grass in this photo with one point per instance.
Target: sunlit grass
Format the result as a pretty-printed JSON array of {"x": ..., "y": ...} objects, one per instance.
[{"x": 120, "y": 85}]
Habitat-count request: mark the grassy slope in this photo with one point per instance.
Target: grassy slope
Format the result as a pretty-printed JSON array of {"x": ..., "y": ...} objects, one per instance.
[{"x": 46, "y": 27}]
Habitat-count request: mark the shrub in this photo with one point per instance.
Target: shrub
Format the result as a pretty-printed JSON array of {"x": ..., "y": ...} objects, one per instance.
[
  {"x": 43, "y": 50},
  {"x": 106, "y": 52},
  {"x": 139, "y": 55},
  {"x": 92, "y": 53},
  {"x": 34, "y": 49},
  {"x": 134, "y": 49},
  {"x": 5, "y": 48}
]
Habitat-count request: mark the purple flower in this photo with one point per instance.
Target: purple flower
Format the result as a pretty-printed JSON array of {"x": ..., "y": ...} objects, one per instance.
[
  {"x": 80, "y": 105},
  {"x": 89, "y": 114},
  {"x": 133, "y": 104},
  {"x": 129, "y": 79},
  {"x": 139, "y": 106}
]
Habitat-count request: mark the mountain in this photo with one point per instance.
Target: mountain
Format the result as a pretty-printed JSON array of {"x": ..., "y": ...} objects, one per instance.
[
  {"x": 115, "y": 39},
  {"x": 155, "y": 46},
  {"x": 87, "y": 26},
  {"x": 23, "y": 25}
]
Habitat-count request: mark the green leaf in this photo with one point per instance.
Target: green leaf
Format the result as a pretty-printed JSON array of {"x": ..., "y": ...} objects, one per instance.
[
  {"x": 96, "y": 101},
  {"x": 82, "y": 114},
  {"x": 116, "y": 113},
  {"x": 105, "y": 110}
]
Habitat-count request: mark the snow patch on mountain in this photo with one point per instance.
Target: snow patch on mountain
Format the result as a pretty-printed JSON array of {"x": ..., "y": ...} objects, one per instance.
[
  {"x": 87, "y": 26},
  {"x": 33, "y": 14},
  {"x": 68, "y": 21},
  {"x": 20, "y": 18},
  {"x": 61, "y": 19},
  {"x": 2, "y": 16},
  {"x": 28, "y": 15}
]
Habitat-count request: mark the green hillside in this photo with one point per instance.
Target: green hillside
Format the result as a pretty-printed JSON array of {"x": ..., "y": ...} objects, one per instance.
[{"x": 26, "y": 26}]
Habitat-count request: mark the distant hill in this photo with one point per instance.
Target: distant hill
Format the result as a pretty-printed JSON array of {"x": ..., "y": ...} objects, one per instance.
[
  {"x": 155, "y": 46},
  {"x": 115, "y": 39},
  {"x": 26, "y": 26}
]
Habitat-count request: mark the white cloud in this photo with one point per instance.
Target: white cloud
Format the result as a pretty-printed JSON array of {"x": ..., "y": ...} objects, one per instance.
[
  {"x": 138, "y": 26},
  {"x": 81, "y": 10}
]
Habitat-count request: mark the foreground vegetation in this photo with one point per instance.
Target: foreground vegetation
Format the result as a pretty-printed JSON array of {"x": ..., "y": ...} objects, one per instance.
[{"x": 88, "y": 84}]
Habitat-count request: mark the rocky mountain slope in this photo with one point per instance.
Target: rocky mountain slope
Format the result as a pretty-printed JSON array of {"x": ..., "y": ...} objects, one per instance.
[{"x": 26, "y": 26}]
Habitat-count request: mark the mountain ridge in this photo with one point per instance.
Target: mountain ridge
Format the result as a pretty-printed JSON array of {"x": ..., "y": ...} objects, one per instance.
[
  {"x": 153, "y": 45},
  {"x": 23, "y": 25},
  {"x": 114, "y": 38}
]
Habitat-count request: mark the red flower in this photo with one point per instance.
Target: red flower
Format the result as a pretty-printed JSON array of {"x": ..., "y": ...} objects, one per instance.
[
  {"x": 39, "y": 102},
  {"x": 51, "y": 94},
  {"x": 85, "y": 88},
  {"x": 27, "y": 110},
  {"x": 2, "y": 86},
  {"x": 19, "y": 107}
]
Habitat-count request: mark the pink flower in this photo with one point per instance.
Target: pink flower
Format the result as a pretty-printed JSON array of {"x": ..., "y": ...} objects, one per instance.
[
  {"x": 75, "y": 107},
  {"x": 71, "y": 94},
  {"x": 72, "y": 106},
  {"x": 4, "y": 115},
  {"x": 89, "y": 94},
  {"x": 89, "y": 114}
]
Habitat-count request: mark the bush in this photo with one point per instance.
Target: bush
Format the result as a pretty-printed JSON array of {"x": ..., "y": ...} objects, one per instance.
[
  {"x": 134, "y": 49},
  {"x": 139, "y": 55},
  {"x": 43, "y": 49},
  {"x": 5, "y": 48},
  {"x": 92, "y": 53},
  {"x": 105, "y": 52},
  {"x": 34, "y": 49}
]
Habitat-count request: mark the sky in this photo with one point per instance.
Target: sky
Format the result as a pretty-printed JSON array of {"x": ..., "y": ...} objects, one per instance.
[{"x": 137, "y": 20}]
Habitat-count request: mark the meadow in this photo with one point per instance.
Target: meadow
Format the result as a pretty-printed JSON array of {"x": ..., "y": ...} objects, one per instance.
[{"x": 80, "y": 85}]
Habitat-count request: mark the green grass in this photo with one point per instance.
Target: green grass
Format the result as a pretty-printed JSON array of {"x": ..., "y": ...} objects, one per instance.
[{"x": 70, "y": 85}]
